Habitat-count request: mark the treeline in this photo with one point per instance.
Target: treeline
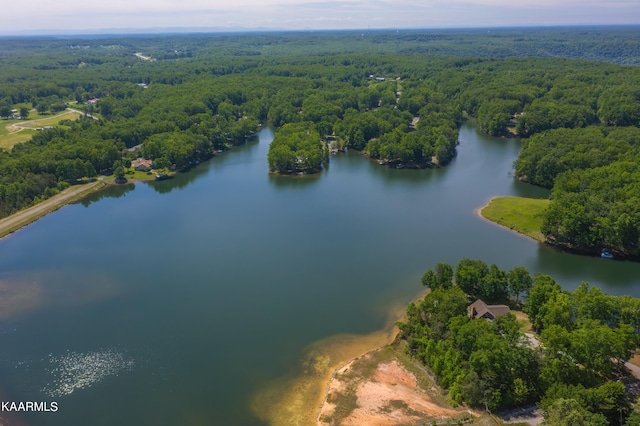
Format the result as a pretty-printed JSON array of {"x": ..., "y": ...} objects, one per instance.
[
  {"x": 176, "y": 132},
  {"x": 533, "y": 95},
  {"x": 403, "y": 110},
  {"x": 570, "y": 367},
  {"x": 594, "y": 176},
  {"x": 582, "y": 128},
  {"x": 297, "y": 148}
]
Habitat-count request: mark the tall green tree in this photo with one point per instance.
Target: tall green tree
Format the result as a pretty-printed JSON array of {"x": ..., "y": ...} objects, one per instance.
[
  {"x": 569, "y": 412},
  {"x": 470, "y": 274},
  {"x": 519, "y": 280},
  {"x": 543, "y": 289}
]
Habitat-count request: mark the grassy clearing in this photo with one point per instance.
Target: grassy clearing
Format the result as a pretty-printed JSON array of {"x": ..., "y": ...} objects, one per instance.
[
  {"x": 523, "y": 215},
  {"x": 9, "y": 137},
  {"x": 134, "y": 175},
  {"x": 8, "y": 141},
  {"x": 50, "y": 121},
  {"x": 523, "y": 319}
]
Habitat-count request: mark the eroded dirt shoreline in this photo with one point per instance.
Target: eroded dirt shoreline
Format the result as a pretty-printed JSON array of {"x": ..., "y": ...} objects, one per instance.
[{"x": 385, "y": 387}]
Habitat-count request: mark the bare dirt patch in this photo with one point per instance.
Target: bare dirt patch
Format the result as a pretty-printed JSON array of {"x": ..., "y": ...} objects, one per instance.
[
  {"x": 379, "y": 389},
  {"x": 635, "y": 360}
]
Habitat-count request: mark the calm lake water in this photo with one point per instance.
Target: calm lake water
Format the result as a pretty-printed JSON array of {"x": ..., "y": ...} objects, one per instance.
[{"x": 172, "y": 303}]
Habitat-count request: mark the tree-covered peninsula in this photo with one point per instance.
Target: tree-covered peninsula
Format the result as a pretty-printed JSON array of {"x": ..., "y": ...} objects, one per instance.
[
  {"x": 571, "y": 362},
  {"x": 594, "y": 176},
  {"x": 297, "y": 148},
  {"x": 398, "y": 98}
]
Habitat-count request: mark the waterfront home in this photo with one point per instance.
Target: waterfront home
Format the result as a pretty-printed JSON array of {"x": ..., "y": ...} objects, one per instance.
[
  {"x": 479, "y": 309},
  {"x": 141, "y": 165}
]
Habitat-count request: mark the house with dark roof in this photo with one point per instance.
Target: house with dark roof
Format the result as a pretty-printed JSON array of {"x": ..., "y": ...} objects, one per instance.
[{"x": 479, "y": 309}]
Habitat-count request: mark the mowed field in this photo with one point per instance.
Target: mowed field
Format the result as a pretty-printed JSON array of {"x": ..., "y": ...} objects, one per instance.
[
  {"x": 15, "y": 132},
  {"x": 523, "y": 215}
]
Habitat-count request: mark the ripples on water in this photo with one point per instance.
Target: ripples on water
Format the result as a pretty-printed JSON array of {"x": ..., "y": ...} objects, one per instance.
[{"x": 73, "y": 371}]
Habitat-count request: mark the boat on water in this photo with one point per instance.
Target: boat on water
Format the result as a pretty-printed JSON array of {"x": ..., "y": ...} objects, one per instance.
[
  {"x": 163, "y": 176},
  {"x": 606, "y": 255}
]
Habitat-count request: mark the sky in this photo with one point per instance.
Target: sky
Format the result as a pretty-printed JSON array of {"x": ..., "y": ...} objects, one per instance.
[{"x": 94, "y": 16}]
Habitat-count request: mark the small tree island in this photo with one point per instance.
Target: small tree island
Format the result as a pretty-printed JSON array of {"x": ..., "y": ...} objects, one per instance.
[{"x": 297, "y": 149}]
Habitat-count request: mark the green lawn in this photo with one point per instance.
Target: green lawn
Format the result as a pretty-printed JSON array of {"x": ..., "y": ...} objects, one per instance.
[
  {"x": 50, "y": 120},
  {"x": 523, "y": 215},
  {"x": 134, "y": 175},
  {"x": 8, "y": 141}
]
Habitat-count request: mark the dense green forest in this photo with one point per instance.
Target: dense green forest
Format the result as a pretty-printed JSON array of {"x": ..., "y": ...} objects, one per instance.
[
  {"x": 398, "y": 97},
  {"x": 571, "y": 364},
  {"x": 595, "y": 179},
  {"x": 297, "y": 149}
]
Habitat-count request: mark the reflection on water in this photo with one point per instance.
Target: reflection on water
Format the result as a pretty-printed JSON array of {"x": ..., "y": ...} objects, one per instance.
[
  {"x": 614, "y": 275},
  {"x": 182, "y": 180},
  {"x": 113, "y": 191},
  {"x": 294, "y": 182},
  {"x": 18, "y": 298},
  {"x": 74, "y": 371},
  {"x": 223, "y": 285},
  {"x": 522, "y": 189},
  {"x": 59, "y": 375},
  {"x": 26, "y": 294}
]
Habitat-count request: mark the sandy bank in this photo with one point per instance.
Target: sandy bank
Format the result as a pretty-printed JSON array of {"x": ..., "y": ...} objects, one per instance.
[{"x": 297, "y": 398}]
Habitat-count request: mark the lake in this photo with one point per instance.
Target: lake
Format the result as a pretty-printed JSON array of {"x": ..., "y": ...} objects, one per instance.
[{"x": 175, "y": 302}]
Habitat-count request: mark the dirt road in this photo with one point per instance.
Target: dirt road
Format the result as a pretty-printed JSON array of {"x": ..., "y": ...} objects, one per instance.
[{"x": 24, "y": 217}]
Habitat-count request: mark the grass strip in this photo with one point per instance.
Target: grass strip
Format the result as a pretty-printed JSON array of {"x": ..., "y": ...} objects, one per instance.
[{"x": 523, "y": 215}]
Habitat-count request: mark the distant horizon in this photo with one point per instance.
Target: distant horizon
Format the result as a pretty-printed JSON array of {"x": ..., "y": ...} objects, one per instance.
[
  {"x": 69, "y": 17},
  {"x": 140, "y": 31}
]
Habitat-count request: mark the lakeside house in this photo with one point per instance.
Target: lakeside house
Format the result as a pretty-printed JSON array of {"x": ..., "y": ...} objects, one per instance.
[
  {"x": 142, "y": 165},
  {"x": 479, "y": 309}
]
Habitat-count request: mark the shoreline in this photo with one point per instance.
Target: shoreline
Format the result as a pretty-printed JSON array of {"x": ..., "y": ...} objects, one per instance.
[
  {"x": 298, "y": 397},
  {"x": 478, "y": 212},
  {"x": 589, "y": 252},
  {"x": 390, "y": 332},
  {"x": 386, "y": 386},
  {"x": 346, "y": 365},
  {"x": 25, "y": 217}
]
